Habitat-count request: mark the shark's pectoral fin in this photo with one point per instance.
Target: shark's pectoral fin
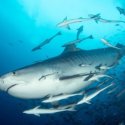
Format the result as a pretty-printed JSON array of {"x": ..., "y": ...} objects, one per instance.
[
  {"x": 38, "y": 115},
  {"x": 65, "y": 18},
  {"x": 96, "y": 20},
  {"x": 68, "y": 27}
]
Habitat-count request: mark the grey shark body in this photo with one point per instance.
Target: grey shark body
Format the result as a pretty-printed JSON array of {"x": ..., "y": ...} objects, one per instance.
[{"x": 59, "y": 75}]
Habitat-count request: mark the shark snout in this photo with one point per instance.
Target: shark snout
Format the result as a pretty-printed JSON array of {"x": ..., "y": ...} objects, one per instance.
[{"x": 1, "y": 81}]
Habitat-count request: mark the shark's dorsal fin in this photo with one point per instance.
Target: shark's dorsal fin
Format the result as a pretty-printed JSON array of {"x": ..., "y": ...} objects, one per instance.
[
  {"x": 37, "y": 107},
  {"x": 70, "y": 48},
  {"x": 65, "y": 18}
]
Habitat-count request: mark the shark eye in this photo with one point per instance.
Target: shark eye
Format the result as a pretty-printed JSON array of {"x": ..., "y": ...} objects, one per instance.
[{"x": 14, "y": 73}]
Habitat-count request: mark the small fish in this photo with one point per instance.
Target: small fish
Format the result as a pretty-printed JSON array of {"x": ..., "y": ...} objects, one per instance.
[
  {"x": 77, "y": 41},
  {"x": 87, "y": 99},
  {"x": 102, "y": 67},
  {"x": 97, "y": 77},
  {"x": 37, "y": 111},
  {"x": 60, "y": 97},
  {"x": 79, "y": 30},
  {"x": 66, "y": 23},
  {"x": 121, "y": 10},
  {"x": 108, "y": 44},
  {"x": 45, "y": 42}
]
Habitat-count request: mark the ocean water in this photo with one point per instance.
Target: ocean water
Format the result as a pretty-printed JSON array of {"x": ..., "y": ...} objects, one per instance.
[{"x": 26, "y": 23}]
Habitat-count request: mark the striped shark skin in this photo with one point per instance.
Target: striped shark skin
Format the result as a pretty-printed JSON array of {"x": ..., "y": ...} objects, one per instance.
[{"x": 59, "y": 75}]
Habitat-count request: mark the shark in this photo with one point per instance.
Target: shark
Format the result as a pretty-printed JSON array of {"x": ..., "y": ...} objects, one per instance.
[
  {"x": 87, "y": 98},
  {"x": 61, "y": 74},
  {"x": 37, "y": 110},
  {"x": 77, "y": 41},
  {"x": 66, "y": 23},
  {"x": 47, "y": 41},
  {"x": 60, "y": 97}
]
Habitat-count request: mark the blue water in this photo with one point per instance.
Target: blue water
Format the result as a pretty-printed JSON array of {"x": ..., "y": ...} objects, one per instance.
[{"x": 25, "y": 23}]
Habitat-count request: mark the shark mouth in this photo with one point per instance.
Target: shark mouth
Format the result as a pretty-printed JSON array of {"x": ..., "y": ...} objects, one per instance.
[{"x": 11, "y": 87}]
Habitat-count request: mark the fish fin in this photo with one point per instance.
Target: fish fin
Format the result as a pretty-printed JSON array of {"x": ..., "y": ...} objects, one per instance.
[
  {"x": 97, "y": 80},
  {"x": 82, "y": 93},
  {"x": 96, "y": 20},
  {"x": 38, "y": 115},
  {"x": 90, "y": 15},
  {"x": 68, "y": 27},
  {"x": 37, "y": 107},
  {"x": 71, "y": 108},
  {"x": 80, "y": 28},
  {"x": 88, "y": 102},
  {"x": 65, "y": 18},
  {"x": 91, "y": 37}
]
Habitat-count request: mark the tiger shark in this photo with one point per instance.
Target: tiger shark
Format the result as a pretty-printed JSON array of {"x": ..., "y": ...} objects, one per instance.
[{"x": 61, "y": 74}]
